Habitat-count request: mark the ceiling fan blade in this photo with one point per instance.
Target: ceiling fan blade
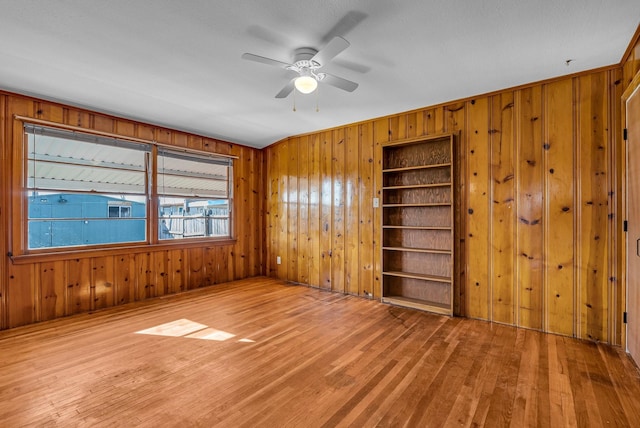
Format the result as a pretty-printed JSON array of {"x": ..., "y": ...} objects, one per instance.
[
  {"x": 348, "y": 22},
  {"x": 333, "y": 48},
  {"x": 264, "y": 60},
  {"x": 339, "y": 82},
  {"x": 284, "y": 92}
]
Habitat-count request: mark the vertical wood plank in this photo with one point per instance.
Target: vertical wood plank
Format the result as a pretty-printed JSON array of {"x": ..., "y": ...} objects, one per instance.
[
  {"x": 142, "y": 270},
  {"x": 175, "y": 271},
  {"x": 303, "y": 210},
  {"x": 195, "y": 142},
  {"x": 102, "y": 282},
  {"x": 18, "y": 224},
  {"x": 125, "y": 128},
  {"x": 159, "y": 273},
  {"x": 452, "y": 118},
  {"x": 559, "y": 207},
  {"x": 226, "y": 264},
  {"x": 271, "y": 207},
  {"x": 615, "y": 215},
  {"x": 395, "y": 131},
  {"x": 210, "y": 268},
  {"x": 196, "y": 273},
  {"x": 125, "y": 291},
  {"x": 50, "y": 112},
  {"x": 179, "y": 139},
  {"x": 162, "y": 136},
  {"x": 381, "y": 135},
  {"x": 53, "y": 283},
  {"x": 365, "y": 192},
  {"x": 5, "y": 150},
  {"x": 293, "y": 202},
  {"x": 326, "y": 197},
  {"x": 315, "y": 210},
  {"x": 338, "y": 212},
  {"x": 477, "y": 239},
  {"x": 75, "y": 117},
  {"x": 351, "y": 211},
  {"x": 592, "y": 200},
  {"x": 429, "y": 121},
  {"x": 79, "y": 293},
  {"x": 146, "y": 132},
  {"x": 283, "y": 211},
  {"x": 242, "y": 209},
  {"x": 529, "y": 230},
  {"x": 21, "y": 295},
  {"x": 102, "y": 123},
  {"x": 503, "y": 208},
  {"x": 415, "y": 126},
  {"x": 258, "y": 237}
]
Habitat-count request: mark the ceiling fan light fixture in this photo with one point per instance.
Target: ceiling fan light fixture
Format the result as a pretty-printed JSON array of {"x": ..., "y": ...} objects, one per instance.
[{"x": 306, "y": 84}]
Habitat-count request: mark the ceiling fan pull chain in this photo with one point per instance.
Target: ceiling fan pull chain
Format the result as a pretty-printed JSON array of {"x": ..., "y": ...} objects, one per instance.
[
  {"x": 294, "y": 100},
  {"x": 317, "y": 99}
]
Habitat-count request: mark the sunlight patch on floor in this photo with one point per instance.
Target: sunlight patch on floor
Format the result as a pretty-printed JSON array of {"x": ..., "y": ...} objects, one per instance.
[
  {"x": 176, "y": 328},
  {"x": 211, "y": 334},
  {"x": 192, "y": 330}
]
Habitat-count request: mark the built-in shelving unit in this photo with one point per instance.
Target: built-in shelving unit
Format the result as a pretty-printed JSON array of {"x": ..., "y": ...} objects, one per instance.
[{"x": 417, "y": 223}]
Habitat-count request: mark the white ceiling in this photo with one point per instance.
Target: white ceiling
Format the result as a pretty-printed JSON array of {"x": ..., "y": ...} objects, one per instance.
[{"x": 177, "y": 63}]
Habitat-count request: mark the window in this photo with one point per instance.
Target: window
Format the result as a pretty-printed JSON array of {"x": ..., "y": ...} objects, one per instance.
[
  {"x": 84, "y": 189},
  {"x": 116, "y": 210},
  {"x": 194, "y": 195}
]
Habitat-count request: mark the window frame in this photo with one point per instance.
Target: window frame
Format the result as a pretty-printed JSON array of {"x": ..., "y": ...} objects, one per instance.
[
  {"x": 184, "y": 154},
  {"x": 20, "y": 210}
]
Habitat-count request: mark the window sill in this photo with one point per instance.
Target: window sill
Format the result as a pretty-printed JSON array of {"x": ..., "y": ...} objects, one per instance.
[{"x": 125, "y": 249}]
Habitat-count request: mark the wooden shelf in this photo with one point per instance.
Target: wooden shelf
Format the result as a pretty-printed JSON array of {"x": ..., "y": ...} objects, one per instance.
[
  {"x": 412, "y": 199},
  {"x": 418, "y": 250},
  {"x": 424, "y": 305},
  {"x": 411, "y": 168},
  {"x": 434, "y": 204},
  {"x": 417, "y": 186},
  {"x": 418, "y": 276},
  {"x": 393, "y": 226}
]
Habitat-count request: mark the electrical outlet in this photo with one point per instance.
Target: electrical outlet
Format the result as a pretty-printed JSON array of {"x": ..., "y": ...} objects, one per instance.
[
  {"x": 376, "y": 202},
  {"x": 278, "y": 260}
]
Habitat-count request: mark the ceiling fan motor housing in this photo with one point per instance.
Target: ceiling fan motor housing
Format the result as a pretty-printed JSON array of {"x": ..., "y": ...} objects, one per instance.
[{"x": 302, "y": 58}]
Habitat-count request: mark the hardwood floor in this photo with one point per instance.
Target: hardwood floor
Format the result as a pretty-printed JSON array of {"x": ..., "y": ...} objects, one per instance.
[{"x": 262, "y": 353}]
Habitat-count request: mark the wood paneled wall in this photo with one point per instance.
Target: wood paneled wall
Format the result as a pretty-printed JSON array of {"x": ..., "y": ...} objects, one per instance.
[
  {"x": 538, "y": 204},
  {"x": 54, "y": 286},
  {"x": 631, "y": 59}
]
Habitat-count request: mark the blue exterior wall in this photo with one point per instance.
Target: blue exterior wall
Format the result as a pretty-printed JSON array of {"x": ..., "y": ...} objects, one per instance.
[{"x": 92, "y": 227}]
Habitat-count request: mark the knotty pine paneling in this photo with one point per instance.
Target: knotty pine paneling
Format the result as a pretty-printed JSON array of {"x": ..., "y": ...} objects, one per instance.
[
  {"x": 536, "y": 219},
  {"x": 560, "y": 215},
  {"x": 631, "y": 63},
  {"x": 326, "y": 209},
  {"x": 501, "y": 131},
  {"x": 351, "y": 211},
  {"x": 616, "y": 210},
  {"x": 528, "y": 277},
  {"x": 39, "y": 289},
  {"x": 315, "y": 202},
  {"x": 365, "y": 192},
  {"x": 592, "y": 200},
  {"x": 5, "y": 154},
  {"x": 303, "y": 208},
  {"x": 478, "y": 152}
]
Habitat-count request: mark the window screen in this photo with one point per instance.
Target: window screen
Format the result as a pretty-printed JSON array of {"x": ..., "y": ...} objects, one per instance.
[
  {"x": 194, "y": 195},
  {"x": 84, "y": 189}
]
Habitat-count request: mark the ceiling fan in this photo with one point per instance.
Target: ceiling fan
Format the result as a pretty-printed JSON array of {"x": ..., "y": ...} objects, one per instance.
[{"x": 307, "y": 62}]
